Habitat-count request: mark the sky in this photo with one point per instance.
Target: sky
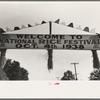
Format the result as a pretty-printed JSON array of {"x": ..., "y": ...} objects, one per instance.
[{"x": 35, "y": 61}]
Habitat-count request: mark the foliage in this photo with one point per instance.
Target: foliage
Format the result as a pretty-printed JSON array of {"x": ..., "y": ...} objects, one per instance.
[
  {"x": 68, "y": 75},
  {"x": 14, "y": 71},
  {"x": 95, "y": 75},
  {"x": 3, "y": 75}
]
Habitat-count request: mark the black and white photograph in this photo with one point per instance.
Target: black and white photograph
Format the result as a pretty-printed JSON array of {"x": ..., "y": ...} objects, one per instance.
[
  {"x": 50, "y": 41},
  {"x": 49, "y": 49}
]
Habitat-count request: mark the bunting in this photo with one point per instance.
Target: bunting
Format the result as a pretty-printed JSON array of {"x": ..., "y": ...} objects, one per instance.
[
  {"x": 70, "y": 25},
  {"x": 36, "y": 24},
  {"x": 8, "y": 29},
  {"x": 86, "y": 29},
  {"x": 1, "y": 30},
  {"x": 23, "y": 26},
  {"x": 57, "y": 21},
  {"x": 79, "y": 27},
  {"x": 16, "y": 28},
  {"x": 43, "y": 22},
  {"x": 63, "y": 23},
  {"x": 93, "y": 30},
  {"x": 29, "y": 25}
]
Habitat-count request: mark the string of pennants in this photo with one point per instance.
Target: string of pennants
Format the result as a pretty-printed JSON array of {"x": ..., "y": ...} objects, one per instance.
[{"x": 43, "y": 22}]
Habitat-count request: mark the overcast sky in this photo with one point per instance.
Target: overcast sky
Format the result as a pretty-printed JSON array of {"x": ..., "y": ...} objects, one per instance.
[{"x": 35, "y": 61}]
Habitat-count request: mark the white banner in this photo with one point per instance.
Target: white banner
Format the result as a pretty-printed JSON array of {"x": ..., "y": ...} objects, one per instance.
[{"x": 41, "y": 41}]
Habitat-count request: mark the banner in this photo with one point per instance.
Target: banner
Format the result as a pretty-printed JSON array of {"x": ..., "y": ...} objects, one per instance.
[{"x": 45, "y": 41}]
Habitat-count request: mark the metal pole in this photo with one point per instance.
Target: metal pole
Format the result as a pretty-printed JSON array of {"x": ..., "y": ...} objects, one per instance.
[{"x": 75, "y": 69}]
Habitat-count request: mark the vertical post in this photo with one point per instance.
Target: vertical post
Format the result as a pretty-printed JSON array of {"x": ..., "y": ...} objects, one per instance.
[
  {"x": 50, "y": 27},
  {"x": 96, "y": 63},
  {"x": 50, "y": 51},
  {"x": 2, "y": 53},
  {"x": 2, "y": 61},
  {"x": 75, "y": 69},
  {"x": 2, "y": 57}
]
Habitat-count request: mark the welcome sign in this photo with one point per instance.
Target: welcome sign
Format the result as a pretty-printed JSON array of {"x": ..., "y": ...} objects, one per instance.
[{"x": 45, "y": 41}]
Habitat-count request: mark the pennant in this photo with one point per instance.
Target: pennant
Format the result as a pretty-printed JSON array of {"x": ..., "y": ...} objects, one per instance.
[
  {"x": 57, "y": 21},
  {"x": 8, "y": 29},
  {"x": 1, "y": 30},
  {"x": 16, "y": 28},
  {"x": 79, "y": 27},
  {"x": 86, "y": 29},
  {"x": 70, "y": 25},
  {"x": 36, "y": 24},
  {"x": 43, "y": 22},
  {"x": 63, "y": 23},
  {"x": 29, "y": 25},
  {"x": 23, "y": 26},
  {"x": 93, "y": 30}
]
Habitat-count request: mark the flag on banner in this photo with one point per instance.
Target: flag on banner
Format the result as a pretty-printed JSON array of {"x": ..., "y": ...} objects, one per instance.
[
  {"x": 29, "y": 25},
  {"x": 8, "y": 29},
  {"x": 70, "y": 25},
  {"x": 86, "y": 29},
  {"x": 23, "y": 26},
  {"x": 1, "y": 30},
  {"x": 63, "y": 23},
  {"x": 43, "y": 22},
  {"x": 93, "y": 30},
  {"x": 16, "y": 28},
  {"x": 79, "y": 27},
  {"x": 57, "y": 21}
]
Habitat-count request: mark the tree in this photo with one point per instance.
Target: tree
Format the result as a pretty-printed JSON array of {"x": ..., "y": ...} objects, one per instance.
[
  {"x": 95, "y": 75},
  {"x": 2, "y": 57},
  {"x": 2, "y": 52},
  {"x": 68, "y": 75},
  {"x": 14, "y": 71},
  {"x": 3, "y": 75}
]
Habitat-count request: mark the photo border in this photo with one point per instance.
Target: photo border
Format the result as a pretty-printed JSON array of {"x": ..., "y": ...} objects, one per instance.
[{"x": 49, "y": 98}]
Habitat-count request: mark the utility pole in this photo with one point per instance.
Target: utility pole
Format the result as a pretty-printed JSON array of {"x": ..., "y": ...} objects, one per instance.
[{"x": 75, "y": 69}]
